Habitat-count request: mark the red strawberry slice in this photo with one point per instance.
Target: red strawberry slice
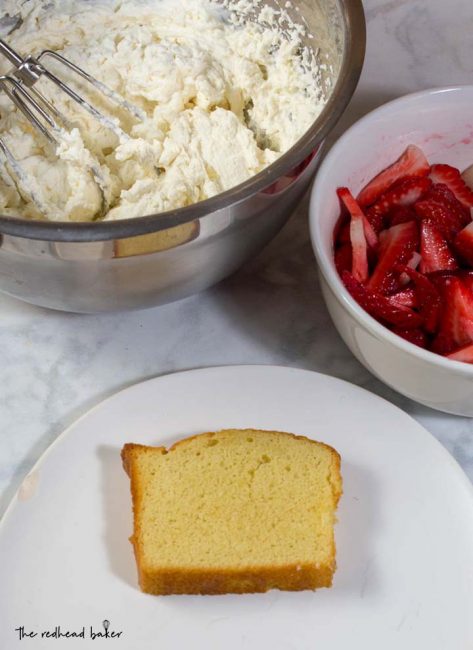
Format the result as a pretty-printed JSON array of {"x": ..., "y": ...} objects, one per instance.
[
  {"x": 415, "y": 336},
  {"x": 462, "y": 354},
  {"x": 375, "y": 219},
  {"x": 439, "y": 278},
  {"x": 400, "y": 214},
  {"x": 354, "y": 209},
  {"x": 451, "y": 177},
  {"x": 397, "y": 246},
  {"x": 405, "y": 298},
  {"x": 379, "y": 306},
  {"x": 403, "y": 193},
  {"x": 435, "y": 252},
  {"x": 464, "y": 243},
  {"x": 467, "y": 278},
  {"x": 359, "y": 250},
  {"x": 414, "y": 260},
  {"x": 341, "y": 232},
  {"x": 413, "y": 263},
  {"x": 430, "y": 302},
  {"x": 441, "y": 194},
  {"x": 458, "y": 215},
  {"x": 467, "y": 175},
  {"x": 343, "y": 236},
  {"x": 361, "y": 233},
  {"x": 343, "y": 258},
  {"x": 411, "y": 163},
  {"x": 456, "y": 328},
  {"x": 440, "y": 215}
]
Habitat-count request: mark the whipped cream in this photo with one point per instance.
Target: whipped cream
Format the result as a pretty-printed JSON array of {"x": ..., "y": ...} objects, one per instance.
[{"x": 222, "y": 99}]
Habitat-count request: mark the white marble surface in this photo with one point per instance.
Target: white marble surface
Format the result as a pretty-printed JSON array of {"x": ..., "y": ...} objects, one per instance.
[{"x": 56, "y": 366}]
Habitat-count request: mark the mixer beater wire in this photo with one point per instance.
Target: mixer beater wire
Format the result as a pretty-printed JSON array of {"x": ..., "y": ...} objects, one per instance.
[{"x": 19, "y": 86}]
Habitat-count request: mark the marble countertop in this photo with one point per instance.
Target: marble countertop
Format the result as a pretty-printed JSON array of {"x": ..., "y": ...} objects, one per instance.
[{"x": 56, "y": 366}]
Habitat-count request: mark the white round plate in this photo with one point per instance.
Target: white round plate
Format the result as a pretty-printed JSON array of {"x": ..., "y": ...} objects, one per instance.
[{"x": 404, "y": 537}]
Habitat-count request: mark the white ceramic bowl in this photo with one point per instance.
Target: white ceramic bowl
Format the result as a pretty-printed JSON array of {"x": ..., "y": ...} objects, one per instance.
[{"x": 440, "y": 121}]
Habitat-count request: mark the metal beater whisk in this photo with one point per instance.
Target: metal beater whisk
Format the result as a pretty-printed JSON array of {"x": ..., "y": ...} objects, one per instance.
[{"x": 41, "y": 113}]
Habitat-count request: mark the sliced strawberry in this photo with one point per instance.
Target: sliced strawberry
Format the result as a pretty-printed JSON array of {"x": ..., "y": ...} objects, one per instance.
[
  {"x": 359, "y": 250},
  {"x": 413, "y": 263},
  {"x": 406, "y": 298},
  {"x": 343, "y": 258},
  {"x": 467, "y": 278},
  {"x": 456, "y": 329},
  {"x": 464, "y": 243},
  {"x": 414, "y": 260},
  {"x": 415, "y": 217},
  {"x": 375, "y": 219},
  {"x": 430, "y": 302},
  {"x": 396, "y": 247},
  {"x": 462, "y": 354},
  {"x": 415, "y": 336},
  {"x": 435, "y": 252},
  {"x": 379, "y": 306},
  {"x": 451, "y": 177},
  {"x": 403, "y": 193},
  {"x": 441, "y": 194},
  {"x": 447, "y": 222},
  {"x": 411, "y": 163},
  {"x": 371, "y": 236},
  {"x": 354, "y": 209},
  {"x": 341, "y": 232},
  {"x": 445, "y": 211},
  {"x": 440, "y": 278},
  {"x": 401, "y": 214},
  {"x": 343, "y": 236},
  {"x": 467, "y": 175},
  {"x": 361, "y": 233},
  {"x": 383, "y": 239}
]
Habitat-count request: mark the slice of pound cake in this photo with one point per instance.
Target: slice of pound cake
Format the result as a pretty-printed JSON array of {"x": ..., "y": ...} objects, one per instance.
[{"x": 234, "y": 511}]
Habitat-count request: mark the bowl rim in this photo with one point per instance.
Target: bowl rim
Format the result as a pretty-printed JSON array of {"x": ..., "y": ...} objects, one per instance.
[
  {"x": 354, "y": 35},
  {"x": 324, "y": 257}
]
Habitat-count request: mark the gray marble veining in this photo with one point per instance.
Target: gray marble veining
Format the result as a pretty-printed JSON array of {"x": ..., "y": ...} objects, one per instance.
[{"x": 55, "y": 366}]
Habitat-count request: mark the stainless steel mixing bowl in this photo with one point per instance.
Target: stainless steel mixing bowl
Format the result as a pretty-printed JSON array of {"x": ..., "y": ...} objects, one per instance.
[{"x": 151, "y": 260}]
